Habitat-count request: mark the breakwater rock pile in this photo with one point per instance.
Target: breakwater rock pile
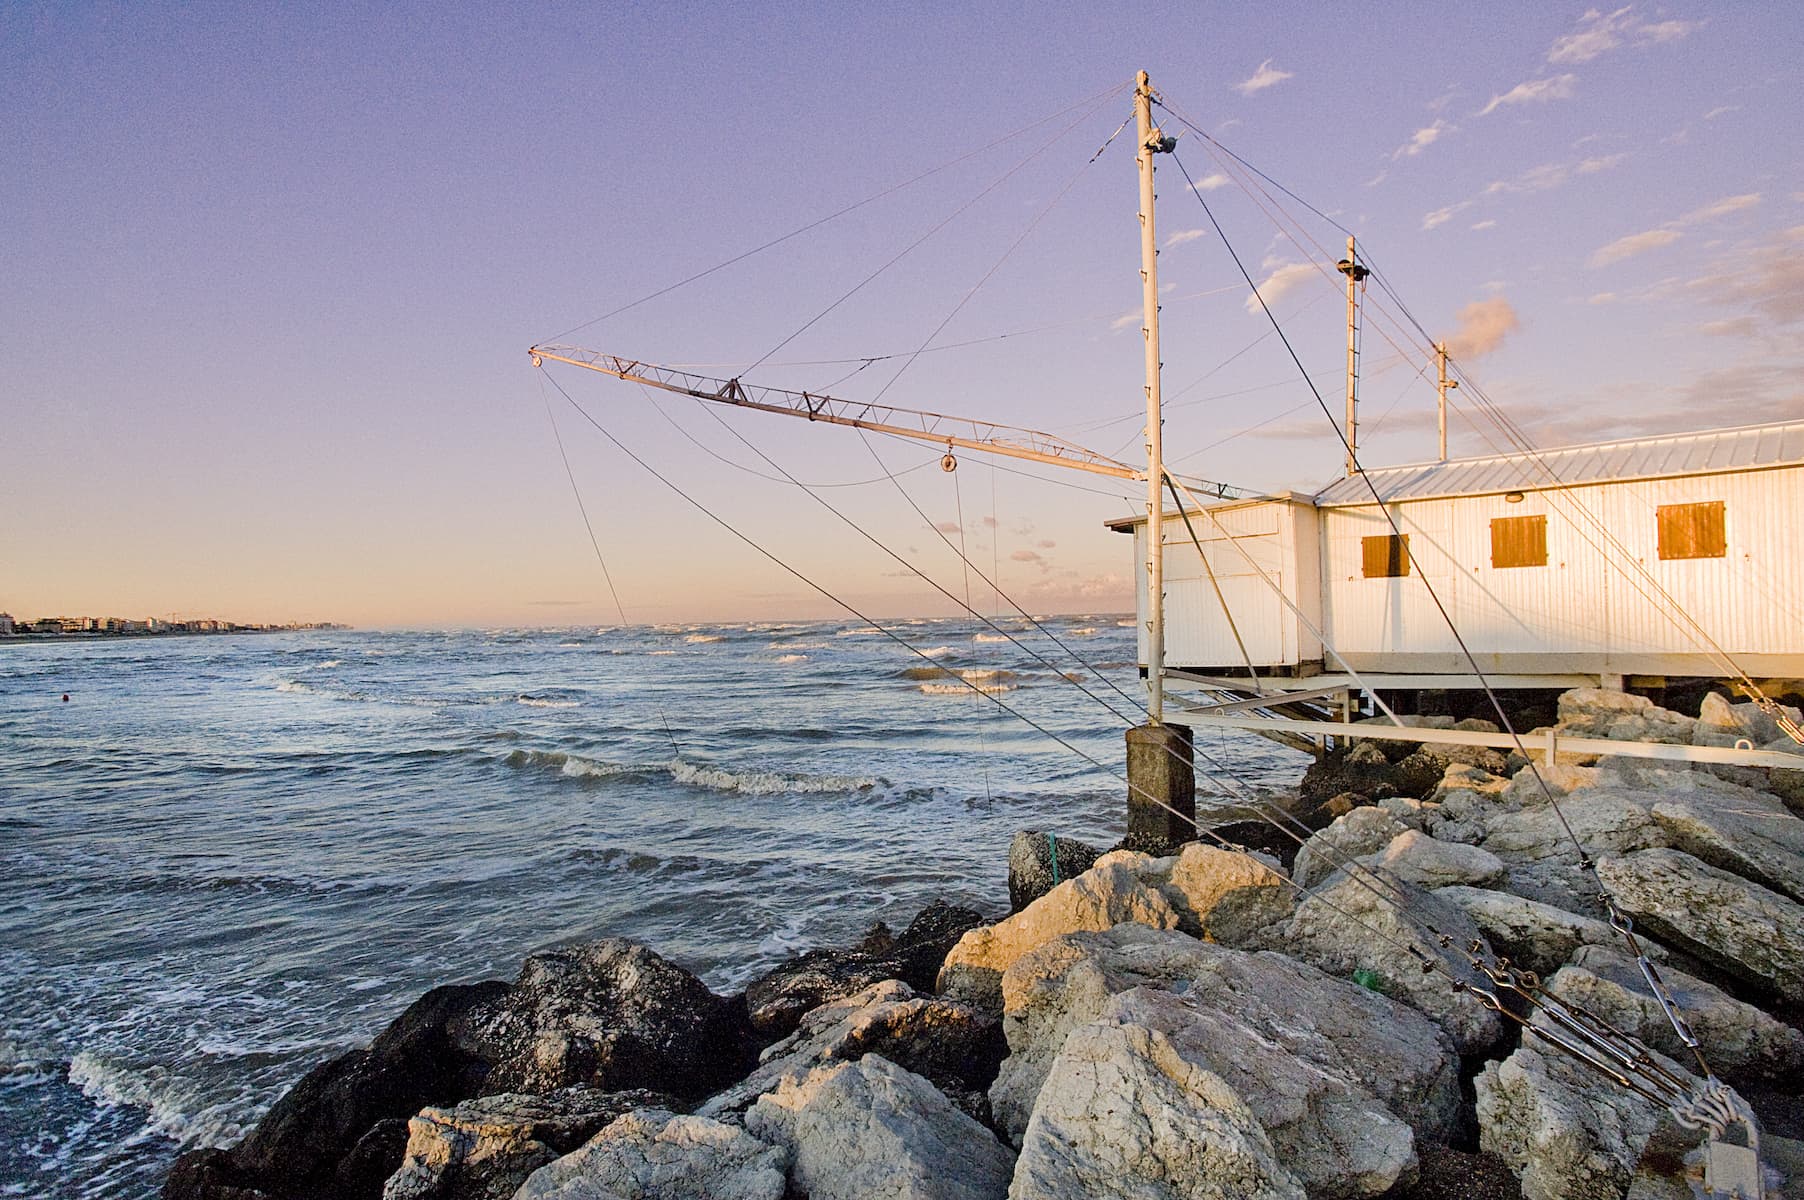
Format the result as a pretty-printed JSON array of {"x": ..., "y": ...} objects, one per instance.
[{"x": 1216, "y": 1022}]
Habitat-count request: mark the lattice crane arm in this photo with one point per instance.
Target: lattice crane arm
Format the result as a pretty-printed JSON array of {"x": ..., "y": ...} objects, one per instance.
[{"x": 939, "y": 429}]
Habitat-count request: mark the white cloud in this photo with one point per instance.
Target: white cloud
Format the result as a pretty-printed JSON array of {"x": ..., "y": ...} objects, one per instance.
[
  {"x": 1185, "y": 235},
  {"x": 1483, "y": 325},
  {"x": 1633, "y": 244},
  {"x": 1722, "y": 208},
  {"x": 1601, "y": 298},
  {"x": 1765, "y": 280},
  {"x": 1209, "y": 183},
  {"x": 1266, "y": 76},
  {"x": 1603, "y": 162},
  {"x": 1721, "y": 110},
  {"x": 1441, "y": 216},
  {"x": 1279, "y": 284},
  {"x": 1533, "y": 91},
  {"x": 1421, "y": 140},
  {"x": 1599, "y": 33},
  {"x": 1487, "y": 224}
]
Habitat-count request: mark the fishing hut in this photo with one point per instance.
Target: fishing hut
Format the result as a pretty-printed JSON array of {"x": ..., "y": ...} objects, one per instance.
[{"x": 1626, "y": 564}]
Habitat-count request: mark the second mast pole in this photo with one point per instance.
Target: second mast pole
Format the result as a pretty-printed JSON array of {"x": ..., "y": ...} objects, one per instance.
[{"x": 1155, "y": 470}]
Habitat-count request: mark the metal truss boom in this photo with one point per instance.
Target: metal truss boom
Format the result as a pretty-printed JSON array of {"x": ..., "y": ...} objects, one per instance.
[{"x": 938, "y": 429}]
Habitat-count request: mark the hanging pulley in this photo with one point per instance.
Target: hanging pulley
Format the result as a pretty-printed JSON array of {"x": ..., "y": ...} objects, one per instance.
[{"x": 948, "y": 464}]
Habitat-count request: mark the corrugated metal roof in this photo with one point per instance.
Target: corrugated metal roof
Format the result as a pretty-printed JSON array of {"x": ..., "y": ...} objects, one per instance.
[{"x": 1711, "y": 452}]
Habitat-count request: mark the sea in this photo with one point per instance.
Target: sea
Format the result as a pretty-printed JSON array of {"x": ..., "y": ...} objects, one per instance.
[{"x": 226, "y": 859}]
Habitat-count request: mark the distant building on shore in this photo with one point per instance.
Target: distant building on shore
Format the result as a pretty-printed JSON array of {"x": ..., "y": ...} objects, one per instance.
[{"x": 6, "y": 623}]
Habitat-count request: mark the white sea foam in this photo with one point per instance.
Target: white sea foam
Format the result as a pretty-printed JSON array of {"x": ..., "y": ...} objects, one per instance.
[
  {"x": 798, "y": 645},
  {"x": 703, "y": 638},
  {"x": 765, "y": 783},
  {"x": 292, "y": 685},
  {"x": 990, "y": 637},
  {"x": 792, "y": 658},
  {"x": 1085, "y": 631},
  {"x": 965, "y": 689},
  {"x": 938, "y": 652},
  {"x": 661, "y": 653},
  {"x": 1127, "y": 624},
  {"x": 172, "y": 1104},
  {"x": 866, "y": 631},
  {"x": 534, "y": 702}
]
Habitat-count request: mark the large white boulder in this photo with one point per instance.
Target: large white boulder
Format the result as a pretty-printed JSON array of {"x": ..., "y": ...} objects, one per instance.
[
  {"x": 1225, "y": 895},
  {"x": 1604, "y": 820},
  {"x": 1365, "y": 830},
  {"x": 1126, "y": 1114},
  {"x": 1101, "y": 898},
  {"x": 872, "y": 1129},
  {"x": 1622, "y": 717},
  {"x": 1311, "y": 1055},
  {"x": 1739, "y": 927},
  {"x": 652, "y": 1154},
  {"x": 1419, "y": 859},
  {"x": 1533, "y": 935}
]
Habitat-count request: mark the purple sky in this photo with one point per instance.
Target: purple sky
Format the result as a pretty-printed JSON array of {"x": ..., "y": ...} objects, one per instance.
[{"x": 270, "y": 275}]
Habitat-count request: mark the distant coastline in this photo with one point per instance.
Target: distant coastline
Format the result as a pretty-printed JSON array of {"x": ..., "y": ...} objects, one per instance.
[{"x": 36, "y": 635}]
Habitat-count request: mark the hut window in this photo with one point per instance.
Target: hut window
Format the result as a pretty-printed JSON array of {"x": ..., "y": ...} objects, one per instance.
[
  {"x": 1519, "y": 541},
  {"x": 1692, "y": 530},
  {"x": 1386, "y": 556}
]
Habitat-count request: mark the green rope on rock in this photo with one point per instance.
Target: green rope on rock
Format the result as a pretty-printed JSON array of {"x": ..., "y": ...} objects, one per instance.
[{"x": 1052, "y": 847}]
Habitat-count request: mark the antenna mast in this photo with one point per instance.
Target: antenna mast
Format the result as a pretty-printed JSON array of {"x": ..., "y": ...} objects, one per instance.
[
  {"x": 1356, "y": 275},
  {"x": 1152, "y": 141},
  {"x": 1444, "y": 385}
]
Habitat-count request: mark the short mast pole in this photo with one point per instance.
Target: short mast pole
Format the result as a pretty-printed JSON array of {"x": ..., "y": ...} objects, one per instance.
[
  {"x": 1444, "y": 385},
  {"x": 1356, "y": 274},
  {"x": 1150, "y": 143}
]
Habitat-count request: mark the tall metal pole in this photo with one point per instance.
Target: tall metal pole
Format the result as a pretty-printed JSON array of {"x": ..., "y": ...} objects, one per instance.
[
  {"x": 1150, "y": 142},
  {"x": 1349, "y": 266},
  {"x": 1444, "y": 385}
]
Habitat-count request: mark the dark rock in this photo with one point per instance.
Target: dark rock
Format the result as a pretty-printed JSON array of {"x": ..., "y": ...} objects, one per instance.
[
  {"x": 776, "y": 1002},
  {"x": 613, "y": 1015},
  {"x": 326, "y": 1137},
  {"x": 1276, "y": 837},
  {"x": 1362, "y": 770},
  {"x": 1038, "y": 862}
]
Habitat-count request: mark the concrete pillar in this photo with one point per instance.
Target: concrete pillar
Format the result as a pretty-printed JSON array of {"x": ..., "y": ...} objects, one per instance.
[{"x": 1161, "y": 779}]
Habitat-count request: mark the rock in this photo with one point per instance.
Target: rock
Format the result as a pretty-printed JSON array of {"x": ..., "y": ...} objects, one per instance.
[
  {"x": 1308, "y": 1053},
  {"x": 1604, "y": 820},
  {"x": 1536, "y": 936},
  {"x": 322, "y": 1136},
  {"x": 1737, "y": 829},
  {"x": 612, "y": 1015},
  {"x": 1101, "y": 898},
  {"x": 1419, "y": 859},
  {"x": 484, "y": 1149},
  {"x": 1530, "y": 785},
  {"x": 653, "y": 1154},
  {"x": 870, "y": 1128},
  {"x": 1226, "y": 896},
  {"x": 1558, "y": 885},
  {"x": 1410, "y": 812},
  {"x": 955, "y": 1046},
  {"x": 1376, "y": 924},
  {"x": 1622, "y": 717},
  {"x": 1739, "y": 1041},
  {"x": 1721, "y": 723},
  {"x": 1569, "y": 1133},
  {"x": 1736, "y": 926},
  {"x": 1361, "y": 769},
  {"x": 776, "y": 1001},
  {"x": 1466, "y": 792},
  {"x": 1361, "y": 832},
  {"x": 1039, "y": 862},
  {"x": 1125, "y": 1113}
]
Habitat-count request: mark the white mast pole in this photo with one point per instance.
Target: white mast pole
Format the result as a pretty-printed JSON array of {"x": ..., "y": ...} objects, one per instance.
[
  {"x": 1349, "y": 266},
  {"x": 1445, "y": 385},
  {"x": 1155, "y": 469}
]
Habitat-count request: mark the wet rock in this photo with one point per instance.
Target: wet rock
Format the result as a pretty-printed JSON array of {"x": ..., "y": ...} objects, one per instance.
[
  {"x": 653, "y": 1154},
  {"x": 322, "y": 1136},
  {"x": 1101, "y": 898},
  {"x": 1312, "y": 1056},
  {"x": 1536, "y": 936},
  {"x": 1125, "y": 1113},
  {"x": 1387, "y": 930},
  {"x": 776, "y": 1001},
  {"x": 1739, "y": 927},
  {"x": 484, "y": 1149},
  {"x": 1622, "y": 717},
  {"x": 871, "y": 1128},
  {"x": 1361, "y": 769},
  {"x": 1419, "y": 859},
  {"x": 1361, "y": 832},
  {"x": 957, "y": 1047},
  {"x": 1039, "y": 862},
  {"x": 612, "y": 1015},
  {"x": 1739, "y": 1041}
]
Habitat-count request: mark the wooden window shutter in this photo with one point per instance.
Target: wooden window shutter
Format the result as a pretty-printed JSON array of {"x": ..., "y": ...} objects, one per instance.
[
  {"x": 1693, "y": 530},
  {"x": 1386, "y": 556},
  {"x": 1519, "y": 541}
]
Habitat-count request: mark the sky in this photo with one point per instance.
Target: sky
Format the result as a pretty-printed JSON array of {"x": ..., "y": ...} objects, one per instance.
[{"x": 269, "y": 274}]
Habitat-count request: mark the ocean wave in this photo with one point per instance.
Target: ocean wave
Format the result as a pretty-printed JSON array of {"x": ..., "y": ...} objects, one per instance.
[
  {"x": 699, "y": 639},
  {"x": 1127, "y": 624},
  {"x": 1081, "y": 631},
  {"x": 532, "y": 701},
  {"x": 861, "y": 631},
  {"x": 926, "y": 672},
  {"x": 792, "y": 658},
  {"x": 965, "y": 689},
  {"x": 663, "y": 652},
  {"x": 172, "y": 1104},
  {"x": 938, "y": 652},
  {"x": 765, "y": 783},
  {"x": 798, "y": 646},
  {"x": 575, "y": 765},
  {"x": 991, "y": 637}
]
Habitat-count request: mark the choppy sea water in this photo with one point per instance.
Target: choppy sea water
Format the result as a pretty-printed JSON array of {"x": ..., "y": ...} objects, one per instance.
[{"x": 226, "y": 859}]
